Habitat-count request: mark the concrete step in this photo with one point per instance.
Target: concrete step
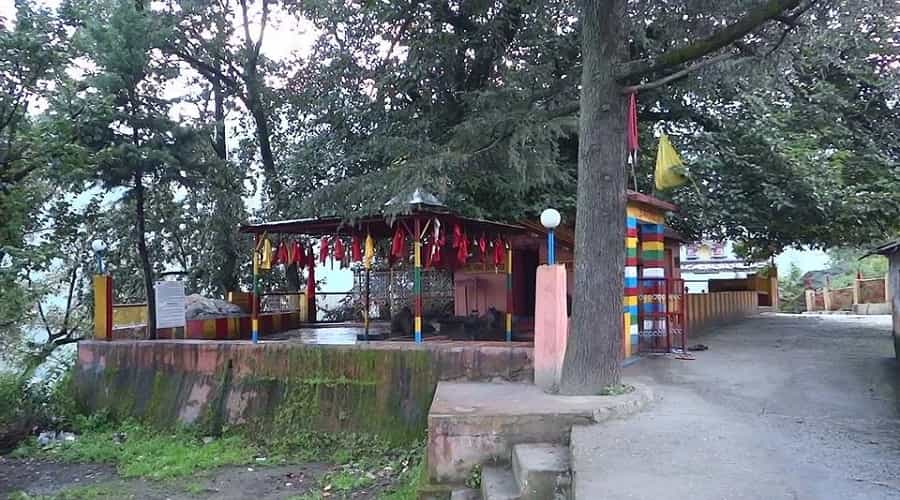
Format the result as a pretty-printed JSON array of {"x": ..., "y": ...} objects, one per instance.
[
  {"x": 498, "y": 483},
  {"x": 542, "y": 471}
]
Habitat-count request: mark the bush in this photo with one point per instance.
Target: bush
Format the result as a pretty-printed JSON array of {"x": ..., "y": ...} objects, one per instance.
[
  {"x": 17, "y": 411},
  {"x": 26, "y": 406}
]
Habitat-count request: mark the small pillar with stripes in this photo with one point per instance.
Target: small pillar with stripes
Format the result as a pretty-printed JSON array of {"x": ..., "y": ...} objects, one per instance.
[
  {"x": 417, "y": 279},
  {"x": 653, "y": 280},
  {"x": 509, "y": 292},
  {"x": 631, "y": 287}
]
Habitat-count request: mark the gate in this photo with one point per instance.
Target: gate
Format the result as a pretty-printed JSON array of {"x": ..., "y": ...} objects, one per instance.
[{"x": 662, "y": 325}]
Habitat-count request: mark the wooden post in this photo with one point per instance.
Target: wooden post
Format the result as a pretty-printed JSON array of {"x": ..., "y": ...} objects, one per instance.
[
  {"x": 103, "y": 307},
  {"x": 509, "y": 297},
  {"x": 856, "y": 283},
  {"x": 826, "y": 298},
  {"x": 417, "y": 278},
  {"x": 887, "y": 288}
]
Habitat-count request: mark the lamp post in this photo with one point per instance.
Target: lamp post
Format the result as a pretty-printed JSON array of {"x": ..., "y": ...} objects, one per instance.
[
  {"x": 99, "y": 248},
  {"x": 550, "y": 219}
]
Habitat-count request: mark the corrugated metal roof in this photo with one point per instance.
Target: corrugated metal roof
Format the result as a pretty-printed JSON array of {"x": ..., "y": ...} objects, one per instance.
[{"x": 889, "y": 248}]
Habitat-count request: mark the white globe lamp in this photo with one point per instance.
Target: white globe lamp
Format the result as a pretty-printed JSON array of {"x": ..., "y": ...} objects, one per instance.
[{"x": 550, "y": 219}]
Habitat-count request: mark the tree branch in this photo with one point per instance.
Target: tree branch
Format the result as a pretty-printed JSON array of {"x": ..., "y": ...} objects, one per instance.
[
  {"x": 770, "y": 10},
  {"x": 678, "y": 74}
]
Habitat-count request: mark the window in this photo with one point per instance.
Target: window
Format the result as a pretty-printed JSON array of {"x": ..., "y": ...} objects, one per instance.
[
  {"x": 692, "y": 252},
  {"x": 718, "y": 250}
]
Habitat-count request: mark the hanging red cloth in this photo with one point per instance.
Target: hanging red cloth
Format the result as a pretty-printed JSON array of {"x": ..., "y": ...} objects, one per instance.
[
  {"x": 282, "y": 256},
  {"x": 499, "y": 252},
  {"x": 632, "y": 125},
  {"x": 482, "y": 245},
  {"x": 461, "y": 244},
  {"x": 339, "y": 250},
  {"x": 297, "y": 254},
  {"x": 355, "y": 249},
  {"x": 398, "y": 244},
  {"x": 323, "y": 250}
]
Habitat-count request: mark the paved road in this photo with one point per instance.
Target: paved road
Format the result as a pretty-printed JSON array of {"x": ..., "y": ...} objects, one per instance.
[{"x": 794, "y": 407}]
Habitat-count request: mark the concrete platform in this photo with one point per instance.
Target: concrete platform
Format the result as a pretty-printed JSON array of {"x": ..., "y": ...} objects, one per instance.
[{"x": 477, "y": 423}]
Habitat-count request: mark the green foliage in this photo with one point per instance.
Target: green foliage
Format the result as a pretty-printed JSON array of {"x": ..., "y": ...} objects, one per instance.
[
  {"x": 409, "y": 481},
  {"x": 791, "y": 292},
  {"x": 14, "y": 401},
  {"x": 92, "y": 492},
  {"x": 845, "y": 265},
  {"x": 617, "y": 390},
  {"x": 138, "y": 451},
  {"x": 473, "y": 480}
]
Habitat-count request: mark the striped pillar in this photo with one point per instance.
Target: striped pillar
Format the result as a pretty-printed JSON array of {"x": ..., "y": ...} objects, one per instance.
[
  {"x": 631, "y": 286},
  {"x": 653, "y": 270},
  {"x": 254, "y": 311},
  {"x": 417, "y": 279},
  {"x": 509, "y": 297}
]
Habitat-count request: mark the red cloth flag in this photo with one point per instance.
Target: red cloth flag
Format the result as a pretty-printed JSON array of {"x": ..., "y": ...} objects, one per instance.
[
  {"x": 282, "y": 256},
  {"x": 461, "y": 244},
  {"x": 632, "y": 126},
  {"x": 355, "y": 249},
  {"x": 297, "y": 254},
  {"x": 339, "y": 250},
  {"x": 398, "y": 244},
  {"x": 499, "y": 251},
  {"x": 482, "y": 245},
  {"x": 323, "y": 250}
]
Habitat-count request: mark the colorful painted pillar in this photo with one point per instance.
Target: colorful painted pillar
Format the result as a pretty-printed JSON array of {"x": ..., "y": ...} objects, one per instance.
[
  {"x": 417, "y": 278},
  {"x": 631, "y": 286},
  {"x": 254, "y": 298},
  {"x": 509, "y": 296},
  {"x": 653, "y": 279},
  {"x": 103, "y": 307}
]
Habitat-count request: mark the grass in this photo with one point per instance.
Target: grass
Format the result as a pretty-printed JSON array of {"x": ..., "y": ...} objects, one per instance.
[
  {"x": 138, "y": 451},
  {"x": 617, "y": 390},
  {"x": 408, "y": 483},
  {"x": 93, "y": 492}
]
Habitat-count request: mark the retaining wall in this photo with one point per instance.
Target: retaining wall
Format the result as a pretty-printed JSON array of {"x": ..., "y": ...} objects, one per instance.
[{"x": 383, "y": 388}]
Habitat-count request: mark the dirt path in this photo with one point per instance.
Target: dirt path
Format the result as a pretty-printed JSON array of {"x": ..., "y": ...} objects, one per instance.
[
  {"x": 43, "y": 478},
  {"x": 779, "y": 407}
]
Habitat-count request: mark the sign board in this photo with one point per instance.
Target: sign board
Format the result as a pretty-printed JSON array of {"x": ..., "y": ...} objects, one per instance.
[{"x": 169, "y": 304}]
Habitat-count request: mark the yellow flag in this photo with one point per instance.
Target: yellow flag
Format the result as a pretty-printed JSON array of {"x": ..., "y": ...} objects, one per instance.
[
  {"x": 669, "y": 167},
  {"x": 370, "y": 252},
  {"x": 265, "y": 259}
]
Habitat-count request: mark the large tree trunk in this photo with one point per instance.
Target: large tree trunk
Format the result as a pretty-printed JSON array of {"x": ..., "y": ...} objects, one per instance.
[
  {"x": 227, "y": 276},
  {"x": 265, "y": 144},
  {"x": 595, "y": 338},
  {"x": 219, "y": 114},
  {"x": 143, "y": 253}
]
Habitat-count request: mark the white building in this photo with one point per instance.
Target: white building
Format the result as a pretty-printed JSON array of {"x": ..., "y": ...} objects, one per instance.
[{"x": 705, "y": 260}]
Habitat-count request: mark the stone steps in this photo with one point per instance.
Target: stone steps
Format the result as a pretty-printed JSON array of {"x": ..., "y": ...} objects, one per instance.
[{"x": 539, "y": 471}]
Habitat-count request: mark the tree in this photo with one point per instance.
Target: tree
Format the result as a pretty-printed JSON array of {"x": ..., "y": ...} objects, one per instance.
[
  {"x": 125, "y": 125},
  {"x": 791, "y": 292},
  {"x": 592, "y": 354},
  {"x": 475, "y": 100},
  {"x": 32, "y": 51}
]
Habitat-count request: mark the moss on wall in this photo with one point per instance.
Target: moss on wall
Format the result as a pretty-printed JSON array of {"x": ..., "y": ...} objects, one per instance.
[{"x": 386, "y": 392}]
